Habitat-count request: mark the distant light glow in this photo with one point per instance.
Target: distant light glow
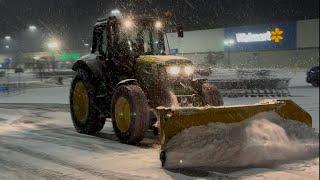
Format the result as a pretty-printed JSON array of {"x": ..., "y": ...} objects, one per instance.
[
  {"x": 7, "y": 37},
  {"x": 228, "y": 42},
  {"x": 116, "y": 12},
  {"x": 253, "y": 37},
  {"x": 53, "y": 44},
  {"x": 158, "y": 25},
  {"x": 36, "y": 57},
  {"x": 86, "y": 44},
  {"x": 32, "y": 28},
  {"x": 7, "y": 46}
]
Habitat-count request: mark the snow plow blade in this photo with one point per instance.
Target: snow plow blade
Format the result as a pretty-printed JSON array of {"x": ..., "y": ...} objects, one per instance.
[{"x": 174, "y": 120}]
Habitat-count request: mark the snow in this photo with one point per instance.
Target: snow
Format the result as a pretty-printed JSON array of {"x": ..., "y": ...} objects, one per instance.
[
  {"x": 53, "y": 95},
  {"x": 41, "y": 143},
  {"x": 44, "y": 145},
  {"x": 9, "y": 115},
  {"x": 263, "y": 140}
]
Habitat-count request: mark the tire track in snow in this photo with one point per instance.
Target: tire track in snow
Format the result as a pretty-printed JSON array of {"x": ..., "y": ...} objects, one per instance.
[
  {"x": 105, "y": 174},
  {"x": 42, "y": 172}
]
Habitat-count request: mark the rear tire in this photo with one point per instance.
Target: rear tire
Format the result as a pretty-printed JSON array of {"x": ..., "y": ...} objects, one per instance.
[
  {"x": 211, "y": 95},
  {"x": 90, "y": 122},
  {"x": 130, "y": 113}
]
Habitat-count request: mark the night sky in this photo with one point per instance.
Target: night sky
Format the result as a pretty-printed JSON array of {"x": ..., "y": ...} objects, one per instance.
[{"x": 72, "y": 20}]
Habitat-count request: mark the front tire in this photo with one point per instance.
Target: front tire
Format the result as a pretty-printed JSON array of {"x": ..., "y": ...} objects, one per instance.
[
  {"x": 130, "y": 113},
  {"x": 84, "y": 105}
]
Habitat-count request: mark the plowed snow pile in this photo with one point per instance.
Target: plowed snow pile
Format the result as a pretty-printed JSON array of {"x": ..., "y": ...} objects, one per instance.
[{"x": 262, "y": 140}]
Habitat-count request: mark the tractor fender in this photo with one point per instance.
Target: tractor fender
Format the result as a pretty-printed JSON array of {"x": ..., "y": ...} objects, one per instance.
[
  {"x": 127, "y": 82},
  {"x": 95, "y": 70},
  {"x": 82, "y": 65},
  {"x": 92, "y": 67}
]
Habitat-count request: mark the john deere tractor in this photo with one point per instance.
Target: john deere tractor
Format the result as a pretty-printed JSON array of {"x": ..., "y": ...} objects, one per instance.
[
  {"x": 129, "y": 78},
  {"x": 128, "y": 75}
]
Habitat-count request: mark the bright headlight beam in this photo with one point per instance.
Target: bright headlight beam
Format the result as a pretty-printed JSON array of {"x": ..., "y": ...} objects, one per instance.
[
  {"x": 188, "y": 70},
  {"x": 173, "y": 70}
]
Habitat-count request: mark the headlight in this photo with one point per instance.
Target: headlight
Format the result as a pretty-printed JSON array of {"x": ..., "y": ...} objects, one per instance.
[
  {"x": 188, "y": 70},
  {"x": 158, "y": 25},
  {"x": 127, "y": 23},
  {"x": 173, "y": 70}
]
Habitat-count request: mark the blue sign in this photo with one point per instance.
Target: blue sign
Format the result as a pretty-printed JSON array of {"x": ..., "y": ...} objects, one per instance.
[
  {"x": 7, "y": 61},
  {"x": 261, "y": 37},
  {"x": 174, "y": 51}
]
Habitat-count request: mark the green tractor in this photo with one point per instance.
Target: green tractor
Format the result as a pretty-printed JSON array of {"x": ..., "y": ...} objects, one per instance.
[{"x": 128, "y": 75}]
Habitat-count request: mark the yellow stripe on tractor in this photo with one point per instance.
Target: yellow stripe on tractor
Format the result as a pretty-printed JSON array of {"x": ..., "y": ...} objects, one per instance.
[{"x": 175, "y": 120}]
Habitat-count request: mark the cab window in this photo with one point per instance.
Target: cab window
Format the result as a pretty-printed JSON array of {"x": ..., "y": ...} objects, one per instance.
[{"x": 100, "y": 41}]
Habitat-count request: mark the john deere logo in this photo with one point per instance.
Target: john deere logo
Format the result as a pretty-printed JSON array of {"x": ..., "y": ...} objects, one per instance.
[{"x": 276, "y": 35}]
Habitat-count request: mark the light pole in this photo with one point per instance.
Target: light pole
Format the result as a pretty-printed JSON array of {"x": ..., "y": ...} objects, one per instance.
[
  {"x": 228, "y": 43},
  {"x": 53, "y": 46}
]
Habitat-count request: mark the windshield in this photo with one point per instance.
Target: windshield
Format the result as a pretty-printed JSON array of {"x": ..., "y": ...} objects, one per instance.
[{"x": 142, "y": 39}]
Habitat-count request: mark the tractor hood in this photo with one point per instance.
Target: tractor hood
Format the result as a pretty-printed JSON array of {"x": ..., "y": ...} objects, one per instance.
[{"x": 165, "y": 59}]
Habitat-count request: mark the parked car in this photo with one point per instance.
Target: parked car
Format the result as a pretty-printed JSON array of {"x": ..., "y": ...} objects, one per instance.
[{"x": 313, "y": 76}]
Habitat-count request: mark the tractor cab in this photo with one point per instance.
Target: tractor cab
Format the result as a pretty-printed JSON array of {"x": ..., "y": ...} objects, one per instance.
[{"x": 115, "y": 37}]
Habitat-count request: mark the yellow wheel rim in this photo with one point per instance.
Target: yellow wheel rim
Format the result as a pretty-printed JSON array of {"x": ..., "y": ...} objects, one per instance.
[
  {"x": 122, "y": 114},
  {"x": 80, "y": 101}
]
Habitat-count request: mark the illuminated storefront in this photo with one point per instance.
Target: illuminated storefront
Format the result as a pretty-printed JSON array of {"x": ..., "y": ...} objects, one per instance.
[{"x": 262, "y": 37}]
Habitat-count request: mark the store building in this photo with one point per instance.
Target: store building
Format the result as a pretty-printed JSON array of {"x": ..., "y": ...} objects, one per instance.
[{"x": 290, "y": 44}]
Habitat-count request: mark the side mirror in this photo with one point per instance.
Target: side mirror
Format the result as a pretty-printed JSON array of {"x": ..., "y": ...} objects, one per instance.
[{"x": 180, "y": 31}]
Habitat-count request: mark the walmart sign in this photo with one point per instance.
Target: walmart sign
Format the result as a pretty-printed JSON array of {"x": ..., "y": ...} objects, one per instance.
[{"x": 261, "y": 37}]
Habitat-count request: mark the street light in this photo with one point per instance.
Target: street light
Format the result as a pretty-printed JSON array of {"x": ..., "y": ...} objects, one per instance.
[
  {"x": 32, "y": 28},
  {"x": 115, "y": 12},
  {"x": 229, "y": 43},
  {"x": 52, "y": 45},
  {"x": 7, "y": 38},
  {"x": 36, "y": 57}
]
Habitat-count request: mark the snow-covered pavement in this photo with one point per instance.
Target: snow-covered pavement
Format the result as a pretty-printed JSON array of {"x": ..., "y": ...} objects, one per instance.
[
  {"x": 39, "y": 142},
  {"x": 44, "y": 145},
  {"x": 306, "y": 96}
]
